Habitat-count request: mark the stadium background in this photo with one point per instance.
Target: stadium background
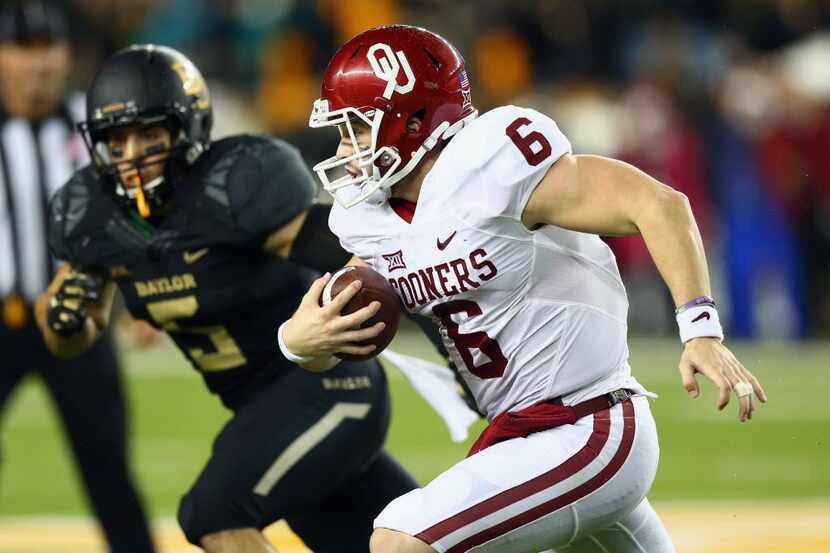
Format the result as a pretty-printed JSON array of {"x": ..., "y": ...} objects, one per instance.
[{"x": 727, "y": 101}]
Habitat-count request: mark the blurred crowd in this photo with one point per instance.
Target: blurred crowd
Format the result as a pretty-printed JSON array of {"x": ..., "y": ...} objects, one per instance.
[{"x": 727, "y": 101}]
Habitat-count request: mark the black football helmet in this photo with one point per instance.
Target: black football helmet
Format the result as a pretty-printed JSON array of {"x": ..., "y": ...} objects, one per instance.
[{"x": 148, "y": 85}]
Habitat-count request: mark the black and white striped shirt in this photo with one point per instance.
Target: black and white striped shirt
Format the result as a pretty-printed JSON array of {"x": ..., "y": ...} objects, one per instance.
[{"x": 36, "y": 158}]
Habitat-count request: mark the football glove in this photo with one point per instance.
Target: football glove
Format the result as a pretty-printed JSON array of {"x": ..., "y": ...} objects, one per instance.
[{"x": 67, "y": 312}]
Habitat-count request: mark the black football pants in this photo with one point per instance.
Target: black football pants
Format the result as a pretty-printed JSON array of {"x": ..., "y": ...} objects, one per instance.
[
  {"x": 89, "y": 397},
  {"x": 307, "y": 449}
]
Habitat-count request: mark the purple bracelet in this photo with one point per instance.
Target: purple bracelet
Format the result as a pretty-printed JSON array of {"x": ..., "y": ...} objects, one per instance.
[{"x": 700, "y": 300}]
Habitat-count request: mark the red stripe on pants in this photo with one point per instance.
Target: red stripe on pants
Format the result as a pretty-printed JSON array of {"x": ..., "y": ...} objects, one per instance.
[
  {"x": 567, "y": 498},
  {"x": 568, "y": 468}
]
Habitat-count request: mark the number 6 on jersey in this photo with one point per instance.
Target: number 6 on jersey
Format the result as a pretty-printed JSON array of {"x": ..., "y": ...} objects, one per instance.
[
  {"x": 466, "y": 342},
  {"x": 525, "y": 144}
]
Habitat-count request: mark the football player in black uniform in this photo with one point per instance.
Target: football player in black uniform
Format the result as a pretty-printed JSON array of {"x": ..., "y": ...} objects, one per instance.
[{"x": 213, "y": 242}]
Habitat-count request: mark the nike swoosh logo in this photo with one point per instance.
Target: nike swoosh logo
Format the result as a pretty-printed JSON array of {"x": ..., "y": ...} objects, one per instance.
[
  {"x": 704, "y": 315},
  {"x": 442, "y": 245},
  {"x": 193, "y": 257}
]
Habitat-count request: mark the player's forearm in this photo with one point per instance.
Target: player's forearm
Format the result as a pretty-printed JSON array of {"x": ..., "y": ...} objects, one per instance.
[
  {"x": 673, "y": 240},
  {"x": 64, "y": 346}
]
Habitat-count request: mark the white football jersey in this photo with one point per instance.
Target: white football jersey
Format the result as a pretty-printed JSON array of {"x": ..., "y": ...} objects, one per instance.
[{"x": 526, "y": 316}]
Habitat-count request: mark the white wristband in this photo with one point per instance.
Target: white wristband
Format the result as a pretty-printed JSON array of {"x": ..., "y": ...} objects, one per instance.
[
  {"x": 294, "y": 358},
  {"x": 699, "y": 321}
]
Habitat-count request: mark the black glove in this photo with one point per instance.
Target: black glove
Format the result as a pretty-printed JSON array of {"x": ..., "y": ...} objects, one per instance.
[{"x": 67, "y": 309}]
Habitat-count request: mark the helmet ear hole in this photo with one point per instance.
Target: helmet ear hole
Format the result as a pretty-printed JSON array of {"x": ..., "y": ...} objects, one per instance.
[{"x": 415, "y": 122}]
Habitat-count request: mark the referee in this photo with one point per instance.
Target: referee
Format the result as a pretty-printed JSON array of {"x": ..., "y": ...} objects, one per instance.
[{"x": 38, "y": 152}]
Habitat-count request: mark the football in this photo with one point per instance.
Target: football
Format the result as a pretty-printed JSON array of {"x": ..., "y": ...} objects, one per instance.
[{"x": 375, "y": 288}]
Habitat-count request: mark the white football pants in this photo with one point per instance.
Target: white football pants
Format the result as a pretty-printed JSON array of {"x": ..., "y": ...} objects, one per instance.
[{"x": 574, "y": 489}]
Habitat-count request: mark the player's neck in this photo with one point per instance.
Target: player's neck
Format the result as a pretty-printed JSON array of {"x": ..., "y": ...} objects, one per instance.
[{"x": 409, "y": 188}]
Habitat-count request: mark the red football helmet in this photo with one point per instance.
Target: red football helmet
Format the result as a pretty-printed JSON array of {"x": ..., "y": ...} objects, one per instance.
[{"x": 382, "y": 77}]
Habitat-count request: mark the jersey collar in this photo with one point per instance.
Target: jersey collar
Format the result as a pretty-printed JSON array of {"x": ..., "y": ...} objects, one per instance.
[{"x": 405, "y": 209}]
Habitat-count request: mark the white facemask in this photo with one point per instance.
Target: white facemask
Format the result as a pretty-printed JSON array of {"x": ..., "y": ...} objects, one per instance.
[{"x": 369, "y": 185}]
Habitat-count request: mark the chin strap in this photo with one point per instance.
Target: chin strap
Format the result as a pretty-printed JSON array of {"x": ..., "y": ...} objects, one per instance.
[
  {"x": 443, "y": 131},
  {"x": 379, "y": 196},
  {"x": 453, "y": 129}
]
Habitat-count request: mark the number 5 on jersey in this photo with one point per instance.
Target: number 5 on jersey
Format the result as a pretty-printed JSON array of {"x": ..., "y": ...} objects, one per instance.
[{"x": 226, "y": 353}]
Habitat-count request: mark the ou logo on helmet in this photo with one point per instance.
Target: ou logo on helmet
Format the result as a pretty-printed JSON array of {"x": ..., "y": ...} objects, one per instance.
[{"x": 387, "y": 66}]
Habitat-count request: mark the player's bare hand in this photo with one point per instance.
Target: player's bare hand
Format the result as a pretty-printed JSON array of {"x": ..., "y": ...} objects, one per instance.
[
  {"x": 709, "y": 357},
  {"x": 315, "y": 331}
]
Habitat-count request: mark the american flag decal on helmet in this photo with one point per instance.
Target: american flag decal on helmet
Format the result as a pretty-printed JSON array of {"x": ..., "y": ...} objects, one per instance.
[{"x": 465, "y": 89}]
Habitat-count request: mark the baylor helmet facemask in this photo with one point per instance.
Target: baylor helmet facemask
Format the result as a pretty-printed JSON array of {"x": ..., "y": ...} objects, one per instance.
[{"x": 147, "y": 85}]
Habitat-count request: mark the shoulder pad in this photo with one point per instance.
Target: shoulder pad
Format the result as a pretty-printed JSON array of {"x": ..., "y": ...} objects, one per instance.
[
  {"x": 266, "y": 183},
  {"x": 86, "y": 227},
  {"x": 68, "y": 216},
  {"x": 496, "y": 162}
]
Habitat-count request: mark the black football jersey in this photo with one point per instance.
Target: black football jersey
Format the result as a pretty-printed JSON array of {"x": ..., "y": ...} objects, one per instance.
[{"x": 201, "y": 274}]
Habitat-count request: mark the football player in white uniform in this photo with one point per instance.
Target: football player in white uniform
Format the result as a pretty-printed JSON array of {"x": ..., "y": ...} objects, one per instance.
[{"x": 488, "y": 225}]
